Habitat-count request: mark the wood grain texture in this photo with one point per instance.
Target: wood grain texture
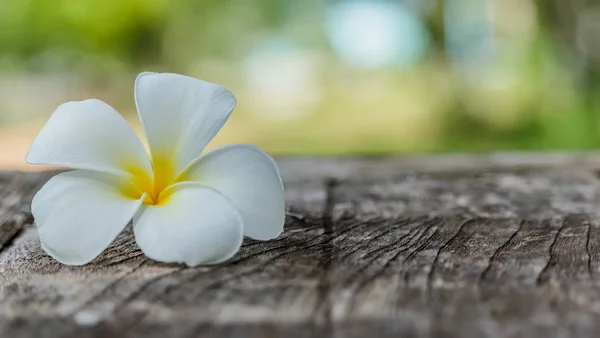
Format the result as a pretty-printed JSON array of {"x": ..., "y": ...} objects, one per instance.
[{"x": 467, "y": 246}]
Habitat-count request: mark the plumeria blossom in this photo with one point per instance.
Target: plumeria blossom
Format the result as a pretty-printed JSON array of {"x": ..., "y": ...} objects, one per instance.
[{"x": 186, "y": 207}]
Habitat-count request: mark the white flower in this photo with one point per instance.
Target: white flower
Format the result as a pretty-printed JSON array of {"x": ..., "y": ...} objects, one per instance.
[{"x": 185, "y": 207}]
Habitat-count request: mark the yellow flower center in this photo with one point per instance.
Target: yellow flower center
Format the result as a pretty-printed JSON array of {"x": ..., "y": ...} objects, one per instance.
[{"x": 153, "y": 187}]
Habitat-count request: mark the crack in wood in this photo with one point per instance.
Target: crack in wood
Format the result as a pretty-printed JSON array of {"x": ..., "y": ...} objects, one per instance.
[
  {"x": 587, "y": 249},
  {"x": 493, "y": 259},
  {"x": 323, "y": 306},
  {"x": 541, "y": 279},
  {"x": 435, "y": 262}
]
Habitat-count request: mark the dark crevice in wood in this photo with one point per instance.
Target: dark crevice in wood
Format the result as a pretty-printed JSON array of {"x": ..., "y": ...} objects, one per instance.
[
  {"x": 16, "y": 191},
  {"x": 569, "y": 261},
  {"x": 541, "y": 277},
  {"x": 10, "y": 230},
  {"x": 364, "y": 241},
  {"x": 412, "y": 255},
  {"x": 401, "y": 241},
  {"x": 377, "y": 252},
  {"x": 434, "y": 222},
  {"x": 380, "y": 251},
  {"x": 493, "y": 259},
  {"x": 330, "y": 186},
  {"x": 323, "y": 307},
  {"x": 587, "y": 249},
  {"x": 435, "y": 262},
  {"x": 402, "y": 245},
  {"x": 306, "y": 225},
  {"x": 401, "y": 248},
  {"x": 124, "y": 259},
  {"x": 223, "y": 281},
  {"x": 342, "y": 228},
  {"x": 295, "y": 215},
  {"x": 288, "y": 244}
]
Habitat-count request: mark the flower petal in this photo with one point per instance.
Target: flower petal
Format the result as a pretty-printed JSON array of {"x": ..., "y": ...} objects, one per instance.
[
  {"x": 79, "y": 213},
  {"x": 249, "y": 178},
  {"x": 194, "y": 225},
  {"x": 89, "y": 135},
  {"x": 180, "y": 115}
]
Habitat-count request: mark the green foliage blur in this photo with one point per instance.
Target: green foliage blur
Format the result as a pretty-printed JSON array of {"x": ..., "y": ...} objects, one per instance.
[{"x": 323, "y": 77}]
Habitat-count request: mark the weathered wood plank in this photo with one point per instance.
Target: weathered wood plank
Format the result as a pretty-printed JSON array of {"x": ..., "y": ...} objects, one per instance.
[
  {"x": 295, "y": 169},
  {"x": 532, "y": 194},
  {"x": 122, "y": 291},
  {"x": 16, "y": 192},
  {"x": 522, "y": 259},
  {"x": 507, "y": 254},
  {"x": 490, "y": 246}
]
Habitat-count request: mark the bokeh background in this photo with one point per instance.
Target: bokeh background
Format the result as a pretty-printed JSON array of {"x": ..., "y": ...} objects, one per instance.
[{"x": 323, "y": 77}]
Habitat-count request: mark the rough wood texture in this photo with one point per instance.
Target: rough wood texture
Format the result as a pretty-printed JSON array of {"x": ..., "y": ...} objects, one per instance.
[{"x": 504, "y": 245}]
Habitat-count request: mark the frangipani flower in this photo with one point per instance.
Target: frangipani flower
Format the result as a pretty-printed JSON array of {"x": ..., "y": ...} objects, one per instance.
[{"x": 185, "y": 207}]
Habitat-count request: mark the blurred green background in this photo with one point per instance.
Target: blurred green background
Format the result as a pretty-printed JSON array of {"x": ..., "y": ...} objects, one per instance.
[{"x": 320, "y": 76}]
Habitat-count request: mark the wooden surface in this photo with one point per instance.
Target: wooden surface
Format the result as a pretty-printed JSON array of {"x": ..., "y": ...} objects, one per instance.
[{"x": 504, "y": 245}]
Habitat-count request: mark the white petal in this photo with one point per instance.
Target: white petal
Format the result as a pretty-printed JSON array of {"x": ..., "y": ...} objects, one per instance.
[
  {"x": 89, "y": 135},
  {"x": 195, "y": 225},
  {"x": 249, "y": 178},
  {"x": 180, "y": 115},
  {"x": 79, "y": 213}
]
